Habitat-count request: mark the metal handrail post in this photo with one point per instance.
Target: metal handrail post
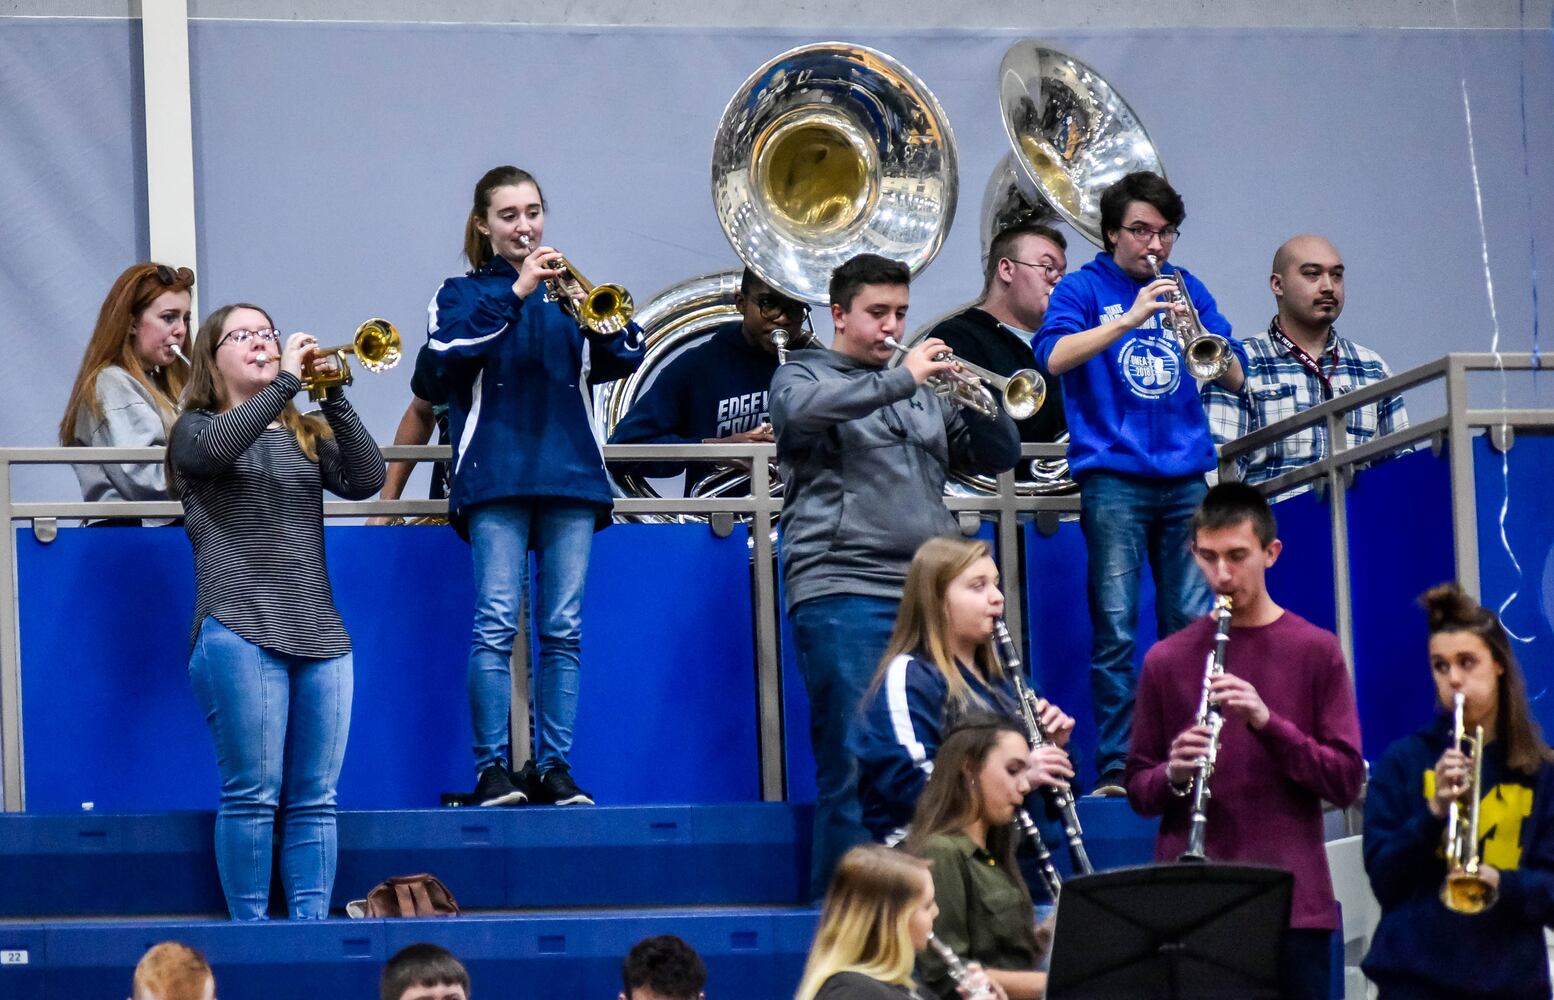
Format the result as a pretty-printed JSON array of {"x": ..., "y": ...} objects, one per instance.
[
  {"x": 1464, "y": 501},
  {"x": 12, "y": 772},
  {"x": 1338, "y": 520},
  {"x": 763, "y": 606}
]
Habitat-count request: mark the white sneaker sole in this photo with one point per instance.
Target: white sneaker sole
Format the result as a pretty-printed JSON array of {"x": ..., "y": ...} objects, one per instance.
[{"x": 510, "y": 799}]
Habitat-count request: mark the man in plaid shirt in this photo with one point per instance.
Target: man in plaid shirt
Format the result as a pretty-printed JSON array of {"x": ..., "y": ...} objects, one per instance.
[{"x": 1298, "y": 362}]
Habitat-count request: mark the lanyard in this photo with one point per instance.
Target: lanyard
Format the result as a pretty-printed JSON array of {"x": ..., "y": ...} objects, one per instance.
[{"x": 1278, "y": 336}]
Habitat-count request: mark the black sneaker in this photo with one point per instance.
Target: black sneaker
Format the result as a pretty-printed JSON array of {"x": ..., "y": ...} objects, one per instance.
[
  {"x": 496, "y": 789},
  {"x": 527, "y": 780},
  {"x": 559, "y": 788}
]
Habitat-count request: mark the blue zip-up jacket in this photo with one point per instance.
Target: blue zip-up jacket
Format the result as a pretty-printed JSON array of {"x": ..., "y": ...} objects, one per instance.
[
  {"x": 717, "y": 388},
  {"x": 1420, "y": 943},
  {"x": 902, "y": 723},
  {"x": 1132, "y": 409},
  {"x": 516, "y": 372}
]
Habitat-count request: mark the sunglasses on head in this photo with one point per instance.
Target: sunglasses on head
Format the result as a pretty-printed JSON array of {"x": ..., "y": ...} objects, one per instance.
[{"x": 168, "y": 276}]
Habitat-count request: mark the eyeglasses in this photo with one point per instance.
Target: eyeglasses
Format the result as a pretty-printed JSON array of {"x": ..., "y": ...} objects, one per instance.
[
  {"x": 1142, "y": 233},
  {"x": 244, "y": 336},
  {"x": 774, "y": 308},
  {"x": 168, "y": 276},
  {"x": 1052, "y": 272}
]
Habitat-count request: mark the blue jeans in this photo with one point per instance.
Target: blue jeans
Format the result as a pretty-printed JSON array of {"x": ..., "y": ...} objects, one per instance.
[
  {"x": 840, "y": 641},
  {"x": 500, "y": 536},
  {"x": 1124, "y": 518},
  {"x": 280, "y": 724}
]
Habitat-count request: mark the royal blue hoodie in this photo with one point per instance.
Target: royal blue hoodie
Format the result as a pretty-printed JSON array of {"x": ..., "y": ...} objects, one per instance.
[
  {"x": 1420, "y": 943},
  {"x": 517, "y": 373},
  {"x": 1133, "y": 408}
]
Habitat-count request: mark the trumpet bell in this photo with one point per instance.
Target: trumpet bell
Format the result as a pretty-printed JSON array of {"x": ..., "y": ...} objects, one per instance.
[
  {"x": 606, "y": 309},
  {"x": 1024, "y": 393},
  {"x": 1208, "y": 357},
  {"x": 1072, "y": 135},
  {"x": 1467, "y": 893},
  {"x": 377, "y": 345},
  {"x": 828, "y": 151}
]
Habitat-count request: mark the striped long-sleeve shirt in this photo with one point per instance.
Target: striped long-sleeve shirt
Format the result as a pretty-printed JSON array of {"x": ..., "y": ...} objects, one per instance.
[
  {"x": 1279, "y": 386},
  {"x": 254, "y": 511}
]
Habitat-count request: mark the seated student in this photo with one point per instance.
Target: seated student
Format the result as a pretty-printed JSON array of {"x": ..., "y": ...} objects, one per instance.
[
  {"x": 939, "y": 666},
  {"x": 1421, "y": 949},
  {"x": 663, "y": 968},
  {"x": 173, "y": 971},
  {"x": 877, "y": 918},
  {"x": 965, "y": 827},
  {"x": 719, "y": 391},
  {"x": 126, "y": 392},
  {"x": 424, "y": 972}
]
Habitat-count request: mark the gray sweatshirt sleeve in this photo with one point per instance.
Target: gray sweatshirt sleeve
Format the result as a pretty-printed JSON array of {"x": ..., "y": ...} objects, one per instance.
[
  {"x": 805, "y": 404},
  {"x": 129, "y": 420}
]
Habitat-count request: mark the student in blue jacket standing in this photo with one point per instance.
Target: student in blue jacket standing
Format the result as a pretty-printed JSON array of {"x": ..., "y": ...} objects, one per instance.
[
  {"x": 527, "y": 472},
  {"x": 1139, "y": 443},
  {"x": 1421, "y": 949}
]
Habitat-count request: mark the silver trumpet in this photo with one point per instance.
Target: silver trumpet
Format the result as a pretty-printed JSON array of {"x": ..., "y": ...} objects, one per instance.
[
  {"x": 957, "y": 969},
  {"x": 1023, "y": 392},
  {"x": 1061, "y": 797},
  {"x": 1209, "y": 715},
  {"x": 1207, "y": 354},
  {"x": 180, "y": 355}
]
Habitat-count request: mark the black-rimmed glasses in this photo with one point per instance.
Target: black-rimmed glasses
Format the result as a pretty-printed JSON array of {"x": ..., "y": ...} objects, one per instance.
[
  {"x": 1054, "y": 273},
  {"x": 1142, "y": 233},
  {"x": 244, "y": 336}
]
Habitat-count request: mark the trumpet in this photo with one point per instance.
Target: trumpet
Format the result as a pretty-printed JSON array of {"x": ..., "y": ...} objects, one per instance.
[
  {"x": 1023, "y": 392},
  {"x": 180, "y": 355},
  {"x": 1207, "y": 354},
  {"x": 1061, "y": 797},
  {"x": 1465, "y": 890},
  {"x": 604, "y": 309},
  {"x": 957, "y": 969},
  {"x": 376, "y": 345},
  {"x": 1209, "y": 714}
]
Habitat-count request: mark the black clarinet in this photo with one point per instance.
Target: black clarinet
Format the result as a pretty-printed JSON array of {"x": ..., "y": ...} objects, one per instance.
[
  {"x": 1061, "y": 797},
  {"x": 1209, "y": 714},
  {"x": 1049, "y": 873}
]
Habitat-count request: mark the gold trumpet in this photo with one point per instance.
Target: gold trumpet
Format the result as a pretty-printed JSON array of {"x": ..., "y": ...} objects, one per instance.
[
  {"x": 1465, "y": 890},
  {"x": 1023, "y": 392},
  {"x": 605, "y": 309},
  {"x": 376, "y": 345}
]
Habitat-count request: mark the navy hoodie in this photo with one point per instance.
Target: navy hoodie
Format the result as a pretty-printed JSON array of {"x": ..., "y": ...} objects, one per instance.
[
  {"x": 1132, "y": 409},
  {"x": 717, "y": 388},
  {"x": 1497, "y": 953},
  {"x": 516, "y": 372}
]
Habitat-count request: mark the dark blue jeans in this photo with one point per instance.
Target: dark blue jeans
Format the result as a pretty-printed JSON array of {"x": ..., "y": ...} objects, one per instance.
[
  {"x": 840, "y": 641},
  {"x": 1124, "y": 519}
]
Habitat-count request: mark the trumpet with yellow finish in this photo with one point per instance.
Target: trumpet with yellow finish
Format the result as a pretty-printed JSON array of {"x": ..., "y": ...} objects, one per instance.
[
  {"x": 376, "y": 345},
  {"x": 1465, "y": 890}
]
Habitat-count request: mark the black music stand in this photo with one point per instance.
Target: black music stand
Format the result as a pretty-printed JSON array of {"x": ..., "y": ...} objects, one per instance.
[{"x": 1164, "y": 932}]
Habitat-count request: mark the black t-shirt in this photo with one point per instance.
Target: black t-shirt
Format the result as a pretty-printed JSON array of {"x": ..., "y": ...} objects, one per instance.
[
  {"x": 857, "y": 986},
  {"x": 980, "y": 339}
]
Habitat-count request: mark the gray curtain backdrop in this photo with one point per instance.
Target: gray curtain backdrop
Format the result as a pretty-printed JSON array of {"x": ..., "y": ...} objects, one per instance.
[{"x": 335, "y": 163}]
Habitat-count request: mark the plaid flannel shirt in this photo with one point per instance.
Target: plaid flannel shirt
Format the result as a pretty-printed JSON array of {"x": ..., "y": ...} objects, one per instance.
[{"x": 1279, "y": 386}]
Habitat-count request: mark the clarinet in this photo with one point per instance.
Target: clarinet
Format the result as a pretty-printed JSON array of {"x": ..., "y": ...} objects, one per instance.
[
  {"x": 1049, "y": 874},
  {"x": 1209, "y": 715},
  {"x": 957, "y": 969},
  {"x": 1061, "y": 797}
]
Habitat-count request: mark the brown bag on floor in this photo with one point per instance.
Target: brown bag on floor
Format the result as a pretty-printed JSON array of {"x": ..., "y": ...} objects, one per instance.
[{"x": 412, "y": 896}]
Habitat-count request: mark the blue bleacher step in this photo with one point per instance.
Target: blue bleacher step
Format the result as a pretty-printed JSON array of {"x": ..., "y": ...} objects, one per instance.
[
  {"x": 753, "y": 953},
  {"x": 491, "y": 859}
]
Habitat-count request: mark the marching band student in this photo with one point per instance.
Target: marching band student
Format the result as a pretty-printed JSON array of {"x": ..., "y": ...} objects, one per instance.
[
  {"x": 127, "y": 388},
  {"x": 964, "y": 826},
  {"x": 875, "y": 921},
  {"x": 271, "y": 660},
  {"x": 1290, "y": 738},
  {"x": 527, "y": 472},
  {"x": 424, "y": 971},
  {"x": 664, "y": 967},
  {"x": 939, "y": 666},
  {"x": 173, "y": 971},
  {"x": 1421, "y": 949}
]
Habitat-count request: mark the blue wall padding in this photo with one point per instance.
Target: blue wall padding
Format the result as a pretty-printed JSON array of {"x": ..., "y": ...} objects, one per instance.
[
  {"x": 1529, "y": 527},
  {"x": 668, "y": 690},
  {"x": 1400, "y": 544}
]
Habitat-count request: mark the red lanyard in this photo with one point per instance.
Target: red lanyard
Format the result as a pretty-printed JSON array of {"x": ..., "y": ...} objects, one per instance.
[{"x": 1278, "y": 336}]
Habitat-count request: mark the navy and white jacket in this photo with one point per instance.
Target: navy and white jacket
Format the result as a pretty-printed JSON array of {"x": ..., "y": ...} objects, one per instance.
[
  {"x": 902, "y": 723},
  {"x": 717, "y": 388},
  {"x": 1132, "y": 409},
  {"x": 517, "y": 373}
]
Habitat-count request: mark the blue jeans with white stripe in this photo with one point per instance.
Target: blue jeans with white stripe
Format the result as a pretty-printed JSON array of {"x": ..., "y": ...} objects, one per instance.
[
  {"x": 280, "y": 724},
  {"x": 500, "y": 537}
]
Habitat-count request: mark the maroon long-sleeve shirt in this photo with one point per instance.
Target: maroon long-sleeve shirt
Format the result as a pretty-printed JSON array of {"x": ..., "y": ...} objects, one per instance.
[{"x": 1268, "y": 785}]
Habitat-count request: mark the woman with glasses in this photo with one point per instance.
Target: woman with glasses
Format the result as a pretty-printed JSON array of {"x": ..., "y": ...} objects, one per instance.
[
  {"x": 271, "y": 660},
  {"x": 527, "y": 471},
  {"x": 965, "y": 827},
  {"x": 718, "y": 391},
  {"x": 127, "y": 388}
]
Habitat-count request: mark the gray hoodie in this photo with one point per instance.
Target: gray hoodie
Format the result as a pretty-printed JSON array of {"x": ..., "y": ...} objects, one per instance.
[
  {"x": 129, "y": 419},
  {"x": 865, "y": 452}
]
